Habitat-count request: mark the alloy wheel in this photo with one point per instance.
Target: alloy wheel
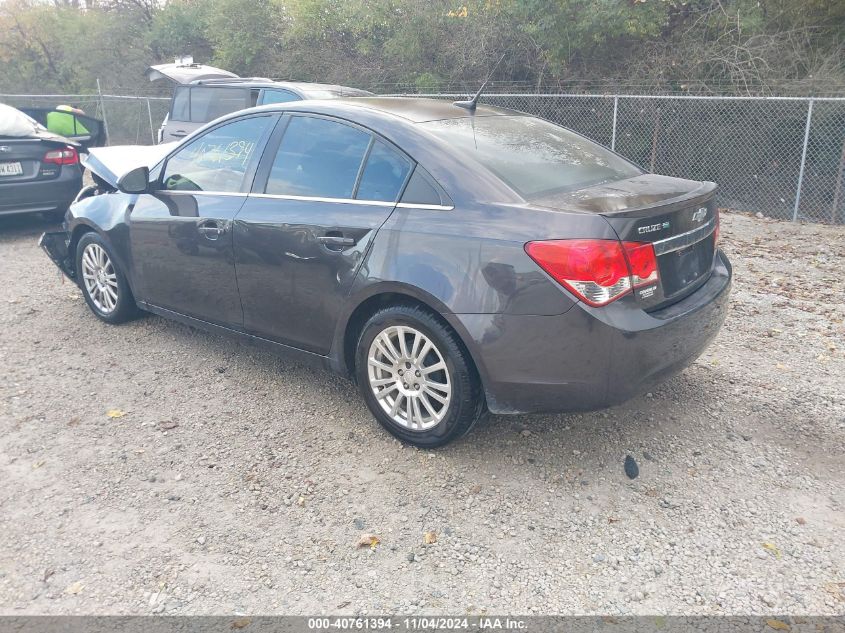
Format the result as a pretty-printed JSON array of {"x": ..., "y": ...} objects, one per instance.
[
  {"x": 409, "y": 377},
  {"x": 100, "y": 278}
]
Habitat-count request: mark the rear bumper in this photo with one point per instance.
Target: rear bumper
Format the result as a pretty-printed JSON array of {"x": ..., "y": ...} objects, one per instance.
[
  {"x": 56, "y": 245},
  {"x": 41, "y": 195},
  {"x": 591, "y": 358}
]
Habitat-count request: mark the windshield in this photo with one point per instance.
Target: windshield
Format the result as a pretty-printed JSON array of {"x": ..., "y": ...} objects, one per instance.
[{"x": 534, "y": 157}]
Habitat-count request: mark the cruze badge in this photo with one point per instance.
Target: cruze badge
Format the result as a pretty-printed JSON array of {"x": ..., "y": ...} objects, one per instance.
[
  {"x": 699, "y": 215},
  {"x": 651, "y": 228},
  {"x": 5, "y": 148}
]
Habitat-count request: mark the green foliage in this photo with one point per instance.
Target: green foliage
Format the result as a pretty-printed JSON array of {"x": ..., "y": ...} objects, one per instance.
[{"x": 669, "y": 44}]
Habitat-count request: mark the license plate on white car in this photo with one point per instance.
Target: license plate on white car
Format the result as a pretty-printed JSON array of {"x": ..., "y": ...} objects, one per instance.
[{"x": 11, "y": 169}]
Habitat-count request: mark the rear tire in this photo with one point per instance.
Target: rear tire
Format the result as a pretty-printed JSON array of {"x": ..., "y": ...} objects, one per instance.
[
  {"x": 103, "y": 283},
  {"x": 416, "y": 378}
]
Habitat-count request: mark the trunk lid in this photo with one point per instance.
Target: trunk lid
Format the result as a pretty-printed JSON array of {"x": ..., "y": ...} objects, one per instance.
[
  {"x": 678, "y": 217},
  {"x": 21, "y": 158},
  {"x": 186, "y": 72}
]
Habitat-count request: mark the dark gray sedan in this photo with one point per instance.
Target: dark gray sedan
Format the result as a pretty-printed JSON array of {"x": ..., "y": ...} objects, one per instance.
[
  {"x": 450, "y": 260},
  {"x": 39, "y": 170}
]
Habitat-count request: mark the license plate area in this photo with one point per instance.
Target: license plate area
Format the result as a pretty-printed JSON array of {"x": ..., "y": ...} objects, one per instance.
[
  {"x": 11, "y": 169},
  {"x": 686, "y": 266}
]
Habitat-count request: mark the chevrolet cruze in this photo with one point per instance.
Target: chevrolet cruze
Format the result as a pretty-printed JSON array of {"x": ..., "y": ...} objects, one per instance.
[{"x": 450, "y": 260}]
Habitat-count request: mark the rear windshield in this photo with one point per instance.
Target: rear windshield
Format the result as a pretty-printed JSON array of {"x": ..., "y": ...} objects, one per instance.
[
  {"x": 201, "y": 104},
  {"x": 534, "y": 157}
]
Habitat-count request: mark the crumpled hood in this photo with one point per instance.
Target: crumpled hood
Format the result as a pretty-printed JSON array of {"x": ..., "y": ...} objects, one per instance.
[{"x": 110, "y": 163}]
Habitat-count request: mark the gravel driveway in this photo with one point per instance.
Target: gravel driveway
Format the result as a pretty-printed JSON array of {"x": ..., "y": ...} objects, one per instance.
[{"x": 233, "y": 481}]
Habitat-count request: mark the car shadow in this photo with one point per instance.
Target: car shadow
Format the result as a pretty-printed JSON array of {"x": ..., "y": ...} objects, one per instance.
[{"x": 529, "y": 444}]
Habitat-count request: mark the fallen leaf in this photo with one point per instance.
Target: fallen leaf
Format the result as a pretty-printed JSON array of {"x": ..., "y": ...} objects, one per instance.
[
  {"x": 475, "y": 489},
  {"x": 115, "y": 413},
  {"x": 772, "y": 548},
  {"x": 38, "y": 464},
  {"x": 612, "y": 520},
  {"x": 343, "y": 604},
  {"x": 429, "y": 538},
  {"x": 166, "y": 425},
  {"x": 300, "y": 501},
  {"x": 47, "y": 573},
  {"x": 777, "y": 625},
  {"x": 75, "y": 588},
  {"x": 241, "y": 623},
  {"x": 368, "y": 540},
  {"x": 801, "y": 521},
  {"x": 73, "y": 421},
  {"x": 836, "y": 589}
]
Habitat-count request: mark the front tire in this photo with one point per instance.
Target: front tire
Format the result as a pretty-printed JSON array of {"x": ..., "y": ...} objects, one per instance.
[
  {"x": 103, "y": 283},
  {"x": 416, "y": 378}
]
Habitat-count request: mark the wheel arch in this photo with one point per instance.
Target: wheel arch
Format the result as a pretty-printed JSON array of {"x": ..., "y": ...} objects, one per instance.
[{"x": 348, "y": 331}]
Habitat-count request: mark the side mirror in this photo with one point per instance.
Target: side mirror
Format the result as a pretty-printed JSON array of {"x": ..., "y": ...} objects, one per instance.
[{"x": 135, "y": 181}]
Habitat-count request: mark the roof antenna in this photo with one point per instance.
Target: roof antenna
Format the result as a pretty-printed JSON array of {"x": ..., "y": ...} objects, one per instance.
[{"x": 472, "y": 103}]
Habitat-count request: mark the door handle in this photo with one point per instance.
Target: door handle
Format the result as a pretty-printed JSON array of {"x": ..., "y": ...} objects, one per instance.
[
  {"x": 336, "y": 240},
  {"x": 211, "y": 229},
  {"x": 178, "y": 134}
]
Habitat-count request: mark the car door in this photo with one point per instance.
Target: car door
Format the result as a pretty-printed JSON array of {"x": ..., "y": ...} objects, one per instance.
[
  {"x": 180, "y": 235},
  {"x": 323, "y": 189}
]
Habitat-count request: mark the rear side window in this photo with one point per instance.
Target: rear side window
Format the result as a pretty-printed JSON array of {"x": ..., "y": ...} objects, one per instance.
[
  {"x": 209, "y": 103},
  {"x": 384, "y": 174},
  {"x": 318, "y": 158},
  {"x": 422, "y": 190},
  {"x": 218, "y": 160},
  {"x": 278, "y": 96},
  {"x": 181, "y": 105}
]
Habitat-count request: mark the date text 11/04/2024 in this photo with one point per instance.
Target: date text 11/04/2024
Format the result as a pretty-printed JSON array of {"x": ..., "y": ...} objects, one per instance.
[{"x": 417, "y": 624}]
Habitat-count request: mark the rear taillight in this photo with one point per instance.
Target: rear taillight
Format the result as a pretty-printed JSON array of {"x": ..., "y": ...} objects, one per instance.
[
  {"x": 64, "y": 156},
  {"x": 596, "y": 271},
  {"x": 643, "y": 263}
]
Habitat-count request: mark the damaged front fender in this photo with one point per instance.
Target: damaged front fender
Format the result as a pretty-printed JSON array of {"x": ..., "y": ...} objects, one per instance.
[{"x": 57, "y": 246}]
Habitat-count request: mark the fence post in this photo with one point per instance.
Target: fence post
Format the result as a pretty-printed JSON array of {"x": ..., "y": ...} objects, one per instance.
[
  {"x": 613, "y": 133},
  {"x": 103, "y": 109},
  {"x": 150, "y": 115},
  {"x": 803, "y": 160}
]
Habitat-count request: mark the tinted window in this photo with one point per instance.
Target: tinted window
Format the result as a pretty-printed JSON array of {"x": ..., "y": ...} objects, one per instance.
[
  {"x": 278, "y": 96},
  {"x": 421, "y": 189},
  {"x": 384, "y": 174},
  {"x": 533, "y": 156},
  {"x": 181, "y": 105},
  {"x": 318, "y": 158},
  {"x": 218, "y": 160},
  {"x": 209, "y": 103}
]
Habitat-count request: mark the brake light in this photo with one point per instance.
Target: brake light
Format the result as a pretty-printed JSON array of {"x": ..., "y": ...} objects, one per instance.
[
  {"x": 642, "y": 261},
  {"x": 596, "y": 271},
  {"x": 65, "y": 156}
]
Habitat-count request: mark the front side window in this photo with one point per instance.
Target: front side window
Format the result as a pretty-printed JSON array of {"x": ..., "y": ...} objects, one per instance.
[
  {"x": 218, "y": 160},
  {"x": 209, "y": 103},
  {"x": 318, "y": 158},
  {"x": 532, "y": 156}
]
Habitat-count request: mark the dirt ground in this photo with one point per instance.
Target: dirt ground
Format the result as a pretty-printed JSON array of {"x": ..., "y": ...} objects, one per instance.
[{"x": 232, "y": 481}]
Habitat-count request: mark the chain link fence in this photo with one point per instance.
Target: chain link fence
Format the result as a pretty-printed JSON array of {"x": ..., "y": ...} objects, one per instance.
[{"x": 783, "y": 157}]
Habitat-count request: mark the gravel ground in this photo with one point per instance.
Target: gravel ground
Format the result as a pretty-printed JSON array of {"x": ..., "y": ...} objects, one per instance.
[{"x": 239, "y": 482}]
